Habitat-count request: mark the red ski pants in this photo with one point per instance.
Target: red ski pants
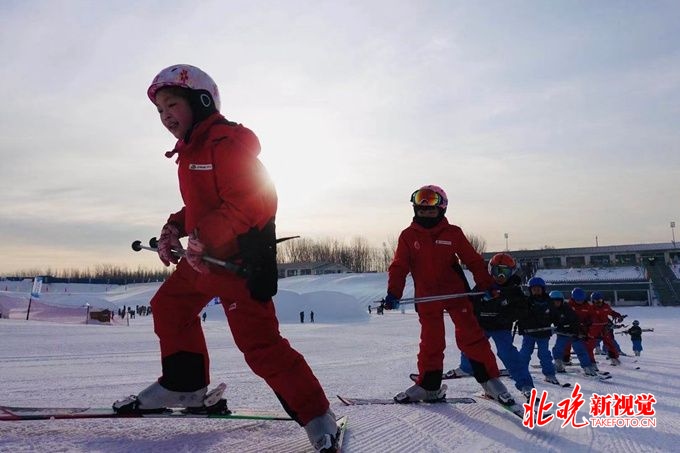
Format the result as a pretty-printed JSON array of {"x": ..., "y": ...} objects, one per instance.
[
  {"x": 469, "y": 335},
  {"x": 597, "y": 331},
  {"x": 255, "y": 329}
]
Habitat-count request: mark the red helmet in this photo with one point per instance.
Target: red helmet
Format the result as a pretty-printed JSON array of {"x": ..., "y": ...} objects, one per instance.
[{"x": 502, "y": 265}]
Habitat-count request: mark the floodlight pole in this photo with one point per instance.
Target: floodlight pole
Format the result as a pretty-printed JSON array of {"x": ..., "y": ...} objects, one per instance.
[{"x": 673, "y": 231}]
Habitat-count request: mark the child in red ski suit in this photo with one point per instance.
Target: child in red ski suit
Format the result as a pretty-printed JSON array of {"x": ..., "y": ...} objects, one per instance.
[
  {"x": 601, "y": 313},
  {"x": 229, "y": 212},
  {"x": 431, "y": 250}
]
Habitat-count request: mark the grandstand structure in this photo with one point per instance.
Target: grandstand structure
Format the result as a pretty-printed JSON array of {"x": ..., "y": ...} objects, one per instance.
[{"x": 634, "y": 274}]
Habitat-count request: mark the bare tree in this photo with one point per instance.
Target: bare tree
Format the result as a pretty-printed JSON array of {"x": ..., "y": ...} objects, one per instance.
[
  {"x": 387, "y": 254},
  {"x": 357, "y": 255},
  {"x": 477, "y": 242},
  {"x": 101, "y": 272}
]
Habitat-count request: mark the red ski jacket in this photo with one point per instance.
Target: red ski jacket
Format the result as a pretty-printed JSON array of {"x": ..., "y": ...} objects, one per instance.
[
  {"x": 225, "y": 188},
  {"x": 433, "y": 257},
  {"x": 601, "y": 314},
  {"x": 584, "y": 312}
]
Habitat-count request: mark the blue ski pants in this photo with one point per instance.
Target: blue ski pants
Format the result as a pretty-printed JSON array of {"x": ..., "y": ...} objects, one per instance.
[
  {"x": 579, "y": 346},
  {"x": 528, "y": 343},
  {"x": 637, "y": 345},
  {"x": 509, "y": 355}
]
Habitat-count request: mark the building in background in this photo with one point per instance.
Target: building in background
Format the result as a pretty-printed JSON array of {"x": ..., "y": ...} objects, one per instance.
[{"x": 311, "y": 268}]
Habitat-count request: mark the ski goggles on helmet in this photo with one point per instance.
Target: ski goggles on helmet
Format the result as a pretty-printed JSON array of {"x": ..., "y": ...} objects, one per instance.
[
  {"x": 501, "y": 271},
  {"x": 426, "y": 197}
]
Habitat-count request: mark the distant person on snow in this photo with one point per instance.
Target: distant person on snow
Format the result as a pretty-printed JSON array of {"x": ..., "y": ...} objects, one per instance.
[
  {"x": 431, "y": 250},
  {"x": 635, "y": 333},
  {"x": 229, "y": 209}
]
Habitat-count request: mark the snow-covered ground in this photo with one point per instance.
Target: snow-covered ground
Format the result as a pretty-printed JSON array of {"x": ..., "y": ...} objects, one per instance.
[{"x": 58, "y": 364}]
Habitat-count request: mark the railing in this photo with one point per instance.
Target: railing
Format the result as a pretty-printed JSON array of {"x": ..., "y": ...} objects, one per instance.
[{"x": 663, "y": 285}]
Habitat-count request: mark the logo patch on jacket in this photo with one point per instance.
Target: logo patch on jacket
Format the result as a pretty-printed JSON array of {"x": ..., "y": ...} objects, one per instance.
[
  {"x": 200, "y": 167},
  {"x": 442, "y": 242}
]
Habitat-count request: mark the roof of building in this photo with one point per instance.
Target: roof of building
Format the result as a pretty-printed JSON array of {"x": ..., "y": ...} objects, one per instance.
[
  {"x": 604, "y": 249},
  {"x": 593, "y": 274},
  {"x": 310, "y": 265}
]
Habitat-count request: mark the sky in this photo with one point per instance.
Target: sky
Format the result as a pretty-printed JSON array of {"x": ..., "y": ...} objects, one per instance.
[{"x": 549, "y": 121}]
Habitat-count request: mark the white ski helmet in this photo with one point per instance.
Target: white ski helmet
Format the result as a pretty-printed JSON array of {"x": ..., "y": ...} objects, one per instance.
[{"x": 190, "y": 77}]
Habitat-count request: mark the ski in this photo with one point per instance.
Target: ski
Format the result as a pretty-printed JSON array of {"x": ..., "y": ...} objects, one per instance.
[
  {"x": 560, "y": 384},
  {"x": 602, "y": 373},
  {"x": 347, "y": 401},
  {"x": 451, "y": 374},
  {"x": 515, "y": 409},
  {"x": 13, "y": 413}
]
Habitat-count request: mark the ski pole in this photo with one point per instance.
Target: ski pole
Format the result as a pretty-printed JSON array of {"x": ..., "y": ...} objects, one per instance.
[
  {"x": 539, "y": 329},
  {"x": 567, "y": 334},
  {"x": 153, "y": 246},
  {"x": 418, "y": 300},
  {"x": 153, "y": 242}
]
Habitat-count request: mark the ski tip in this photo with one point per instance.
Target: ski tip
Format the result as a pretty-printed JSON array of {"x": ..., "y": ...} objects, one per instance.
[{"x": 345, "y": 401}]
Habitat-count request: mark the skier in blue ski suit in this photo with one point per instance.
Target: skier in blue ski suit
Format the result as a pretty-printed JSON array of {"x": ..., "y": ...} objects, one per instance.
[
  {"x": 536, "y": 328},
  {"x": 635, "y": 333},
  {"x": 496, "y": 313}
]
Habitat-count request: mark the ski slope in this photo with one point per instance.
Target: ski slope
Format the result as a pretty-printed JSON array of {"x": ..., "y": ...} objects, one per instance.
[{"x": 53, "y": 364}]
